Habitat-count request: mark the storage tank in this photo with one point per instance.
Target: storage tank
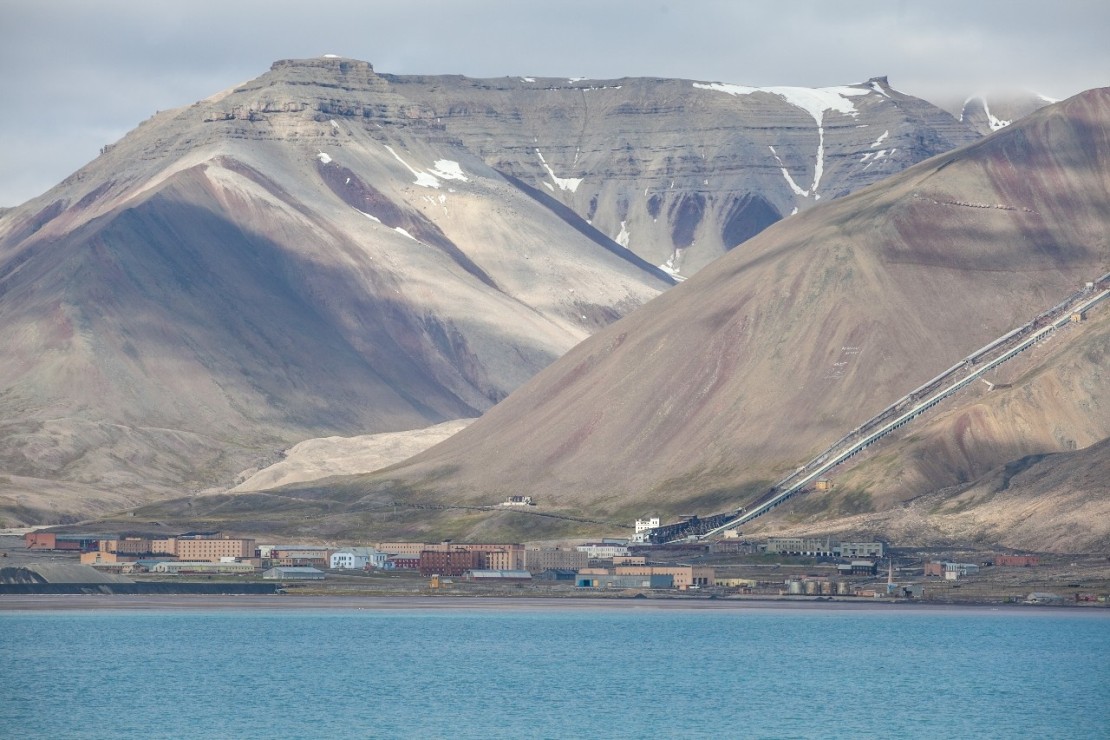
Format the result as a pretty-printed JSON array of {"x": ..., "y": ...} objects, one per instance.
[
  {"x": 843, "y": 589},
  {"x": 794, "y": 587},
  {"x": 811, "y": 587}
]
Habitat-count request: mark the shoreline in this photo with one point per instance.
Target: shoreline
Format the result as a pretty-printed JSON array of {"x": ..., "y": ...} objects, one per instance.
[{"x": 285, "y": 602}]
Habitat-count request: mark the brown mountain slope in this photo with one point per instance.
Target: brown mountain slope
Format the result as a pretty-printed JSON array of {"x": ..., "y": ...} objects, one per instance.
[{"x": 755, "y": 364}]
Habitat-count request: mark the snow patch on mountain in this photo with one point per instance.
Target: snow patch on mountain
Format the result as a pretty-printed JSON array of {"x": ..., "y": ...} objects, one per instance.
[
  {"x": 623, "y": 237},
  {"x": 789, "y": 180},
  {"x": 323, "y": 157},
  {"x": 423, "y": 179},
  {"x": 563, "y": 183},
  {"x": 814, "y": 101},
  {"x": 445, "y": 169}
]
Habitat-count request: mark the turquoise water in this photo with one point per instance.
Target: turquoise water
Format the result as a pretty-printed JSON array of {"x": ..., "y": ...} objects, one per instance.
[{"x": 555, "y": 673}]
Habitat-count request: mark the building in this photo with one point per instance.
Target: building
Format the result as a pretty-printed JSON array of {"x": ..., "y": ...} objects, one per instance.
[
  {"x": 398, "y": 562},
  {"x": 408, "y": 549},
  {"x": 96, "y": 557},
  {"x": 293, "y": 573},
  {"x": 311, "y": 556},
  {"x": 510, "y": 559},
  {"x": 205, "y": 567},
  {"x": 810, "y": 546},
  {"x": 61, "y": 541},
  {"x": 643, "y": 529},
  {"x": 212, "y": 549},
  {"x": 630, "y": 560},
  {"x": 450, "y": 562},
  {"x": 857, "y": 568},
  {"x": 518, "y": 501},
  {"x": 1016, "y": 561},
  {"x": 603, "y": 550},
  {"x": 553, "y": 558},
  {"x": 951, "y": 571},
  {"x": 357, "y": 558},
  {"x": 683, "y": 577},
  {"x": 610, "y": 580},
  {"x": 497, "y": 576},
  {"x": 852, "y": 550}
]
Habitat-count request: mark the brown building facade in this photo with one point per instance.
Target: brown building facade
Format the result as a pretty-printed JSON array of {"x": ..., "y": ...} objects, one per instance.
[
  {"x": 212, "y": 549},
  {"x": 450, "y": 562}
]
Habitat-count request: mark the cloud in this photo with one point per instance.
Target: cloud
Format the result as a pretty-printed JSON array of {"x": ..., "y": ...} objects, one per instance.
[{"x": 79, "y": 74}]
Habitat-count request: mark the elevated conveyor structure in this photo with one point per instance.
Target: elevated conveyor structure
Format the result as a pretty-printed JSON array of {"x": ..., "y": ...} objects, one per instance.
[{"x": 900, "y": 413}]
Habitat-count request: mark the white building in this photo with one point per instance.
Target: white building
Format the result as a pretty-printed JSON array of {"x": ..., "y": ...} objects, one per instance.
[
  {"x": 643, "y": 529},
  {"x": 603, "y": 550},
  {"x": 357, "y": 558}
]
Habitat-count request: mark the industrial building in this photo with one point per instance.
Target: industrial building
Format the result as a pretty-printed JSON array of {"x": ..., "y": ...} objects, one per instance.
[
  {"x": 1016, "y": 561},
  {"x": 849, "y": 550},
  {"x": 610, "y": 580},
  {"x": 181, "y": 567},
  {"x": 603, "y": 550},
  {"x": 293, "y": 573},
  {"x": 683, "y": 577},
  {"x": 56, "y": 541},
  {"x": 810, "y": 546}
]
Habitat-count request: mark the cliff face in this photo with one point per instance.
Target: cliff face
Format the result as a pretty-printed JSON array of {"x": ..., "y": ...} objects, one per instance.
[{"x": 681, "y": 171}]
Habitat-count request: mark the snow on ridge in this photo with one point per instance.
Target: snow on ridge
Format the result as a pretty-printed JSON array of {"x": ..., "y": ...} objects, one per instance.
[
  {"x": 813, "y": 100},
  {"x": 527, "y": 79},
  {"x": 880, "y": 139},
  {"x": 563, "y": 183},
  {"x": 402, "y": 232},
  {"x": 323, "y": 157},
  {"x": 878, "y": 88},
  {"x": 370, "y": 216}
]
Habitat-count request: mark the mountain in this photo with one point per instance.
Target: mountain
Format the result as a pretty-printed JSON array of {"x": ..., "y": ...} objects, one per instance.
[
  {"x": 249, "y": 272},
  {"x": 680, "y": 171},
  {"x": 704, "y": 397},
  {"x": 326, "y": 250},
  {"x": 988, "y": 113}
]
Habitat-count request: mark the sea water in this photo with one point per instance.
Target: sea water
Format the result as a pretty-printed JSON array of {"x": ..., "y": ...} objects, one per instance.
[{"x": 555, "y": 673}]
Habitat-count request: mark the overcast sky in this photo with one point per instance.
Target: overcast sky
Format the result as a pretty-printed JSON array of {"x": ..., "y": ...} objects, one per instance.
[{"x": 78, "y": 74}]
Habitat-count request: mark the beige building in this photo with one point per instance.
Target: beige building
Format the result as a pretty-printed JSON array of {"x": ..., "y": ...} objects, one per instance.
[
  {"x": 685, "y": 576},
  {"x": 213, "y": 549}
]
